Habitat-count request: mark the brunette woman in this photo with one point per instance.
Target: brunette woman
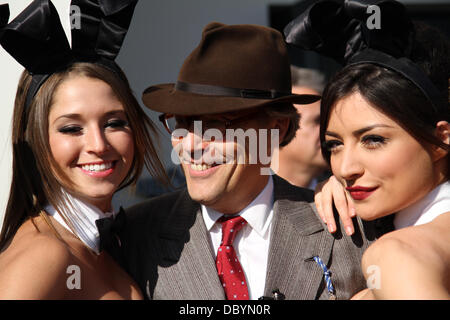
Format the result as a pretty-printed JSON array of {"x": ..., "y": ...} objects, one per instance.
[{"x": 385, "y": 131}]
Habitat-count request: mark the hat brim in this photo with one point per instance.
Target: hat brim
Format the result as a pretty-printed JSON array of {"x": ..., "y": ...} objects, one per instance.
[{"x": 164, "y": 98}]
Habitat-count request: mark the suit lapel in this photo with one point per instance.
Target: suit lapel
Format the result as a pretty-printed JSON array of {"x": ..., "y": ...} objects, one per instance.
[
  {"x": 188, "y": 268},
  {"x": 297, "y": 235}
]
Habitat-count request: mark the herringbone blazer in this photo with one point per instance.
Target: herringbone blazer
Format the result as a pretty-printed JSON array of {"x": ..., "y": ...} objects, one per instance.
[{"x": 166, "y": 248}]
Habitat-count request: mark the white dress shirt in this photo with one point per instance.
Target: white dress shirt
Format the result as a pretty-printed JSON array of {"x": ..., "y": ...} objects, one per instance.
[
  {"x": 252, "y": 242},
  {"x": 427, "y": 209}
]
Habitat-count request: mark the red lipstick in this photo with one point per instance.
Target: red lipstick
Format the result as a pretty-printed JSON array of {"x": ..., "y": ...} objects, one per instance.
[{"x": 360, "y": 193}]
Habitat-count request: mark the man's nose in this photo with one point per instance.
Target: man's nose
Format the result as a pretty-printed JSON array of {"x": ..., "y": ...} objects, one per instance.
[{"x": 193, "y": 145}]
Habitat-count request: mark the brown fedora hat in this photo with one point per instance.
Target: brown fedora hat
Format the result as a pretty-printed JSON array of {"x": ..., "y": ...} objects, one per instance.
[{"x": 234, "y": 67}]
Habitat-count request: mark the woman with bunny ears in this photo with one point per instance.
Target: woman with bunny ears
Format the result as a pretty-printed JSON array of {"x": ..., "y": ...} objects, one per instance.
[
  {"x": 79, "y": 135},
  {"x": 385, "y": 131}
]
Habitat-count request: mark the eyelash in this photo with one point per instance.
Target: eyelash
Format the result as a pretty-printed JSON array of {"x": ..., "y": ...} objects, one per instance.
[
  {"x": 75, "y": 129},
  {"x": 373, "y": 141},
  {"x": 117, "y": 123},
  {"x": 370, "y": 142},
  {"x": 331, "y": 145},
  {"x": 70, "y": 129}
]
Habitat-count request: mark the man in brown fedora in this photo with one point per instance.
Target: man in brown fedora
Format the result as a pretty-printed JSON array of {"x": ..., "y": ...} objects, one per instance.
[{"x": 236, "y": 232}]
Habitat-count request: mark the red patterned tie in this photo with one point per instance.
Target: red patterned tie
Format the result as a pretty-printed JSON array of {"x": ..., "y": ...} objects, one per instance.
[{"x": 229, "y": 269}]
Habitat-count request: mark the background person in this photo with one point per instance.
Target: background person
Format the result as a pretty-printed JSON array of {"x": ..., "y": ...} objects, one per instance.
[{"x": 301, "y": 161}]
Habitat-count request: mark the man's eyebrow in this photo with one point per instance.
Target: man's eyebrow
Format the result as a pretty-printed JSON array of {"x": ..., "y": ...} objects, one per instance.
[{"x": 359, "y": 131}]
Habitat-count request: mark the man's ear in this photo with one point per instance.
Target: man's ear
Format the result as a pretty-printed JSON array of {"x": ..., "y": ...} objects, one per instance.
[
  {"x": 442, "y": 133},
  {"x": 282, "y": 124}
]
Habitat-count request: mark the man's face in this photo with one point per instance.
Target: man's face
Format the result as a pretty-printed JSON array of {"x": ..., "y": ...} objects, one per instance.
[
  {"x": 219, "y": 163},
  {"x": 304, "y": 149}
]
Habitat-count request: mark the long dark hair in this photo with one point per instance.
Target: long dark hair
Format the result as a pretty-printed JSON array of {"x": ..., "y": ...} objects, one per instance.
[
  {"x": 393, "y": 94},
  {"x": 34, "y": 183}
]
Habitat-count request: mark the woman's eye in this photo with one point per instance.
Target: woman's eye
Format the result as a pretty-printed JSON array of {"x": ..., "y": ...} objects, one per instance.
[
  {"x": 332, "y": 145},
  {"x": 373, "y": 141},
  {"x": 71, "y": 129},
  {"x": 118, "y": 123}
]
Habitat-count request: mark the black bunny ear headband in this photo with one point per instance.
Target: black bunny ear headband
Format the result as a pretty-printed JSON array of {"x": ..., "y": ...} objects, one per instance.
[
  {"x": 36, "y": 39},
  {"x": 340, "y": 29}
]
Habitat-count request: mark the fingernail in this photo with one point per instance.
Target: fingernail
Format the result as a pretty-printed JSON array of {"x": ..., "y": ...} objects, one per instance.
[
  {"x": 349, "y": 230},
  {"x": 331, "y": 227}
]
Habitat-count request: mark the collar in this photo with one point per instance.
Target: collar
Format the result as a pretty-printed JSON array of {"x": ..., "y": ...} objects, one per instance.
[
  {"x": 257, "y": 213},
  {"x": 81, "y": 216},
  {"x": 427, "y": 209}
]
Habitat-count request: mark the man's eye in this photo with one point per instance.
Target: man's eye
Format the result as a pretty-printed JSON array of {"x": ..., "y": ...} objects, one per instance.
[
  {"x": 182, "y": 122},
  {"x": 213, "y": 123}
]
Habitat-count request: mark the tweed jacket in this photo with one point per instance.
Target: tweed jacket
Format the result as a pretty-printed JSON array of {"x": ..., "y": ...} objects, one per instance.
[{"x": 164, "y": 245}]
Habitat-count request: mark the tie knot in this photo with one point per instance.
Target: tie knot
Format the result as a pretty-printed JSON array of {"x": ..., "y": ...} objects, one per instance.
[{"x": 230, "y": 227}]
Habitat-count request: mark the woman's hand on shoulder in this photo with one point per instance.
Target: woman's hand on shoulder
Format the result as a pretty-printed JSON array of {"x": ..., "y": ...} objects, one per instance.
[
  {"x": 37, "y": 269},
  {"x": 331, "y": 191}
]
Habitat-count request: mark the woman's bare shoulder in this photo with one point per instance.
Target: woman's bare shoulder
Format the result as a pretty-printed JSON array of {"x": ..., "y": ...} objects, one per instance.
[
  {"x": 429, "y": 241},
  {"x": 34, "y": 265},
  {"x": 412, "y": 262}
]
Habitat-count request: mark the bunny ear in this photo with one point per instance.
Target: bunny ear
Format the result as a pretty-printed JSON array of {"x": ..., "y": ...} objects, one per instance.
[
  {"x": 110, "y": 8},
  {"x": 36, "y": 38},
  {"x": 4, "y": 15},
  {"x": 341, "y": 29},
  {"x": 385, "y": 25},
  {"x": 104, "y": 25},
  {"x": 325, "y": 28}
]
